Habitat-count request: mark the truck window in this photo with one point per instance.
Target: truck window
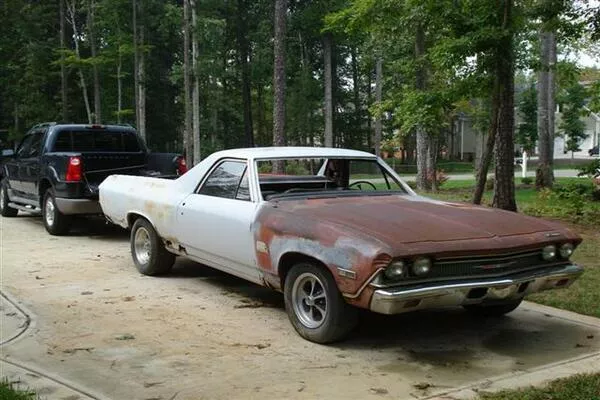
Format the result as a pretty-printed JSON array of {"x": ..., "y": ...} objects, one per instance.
[{"x": 94, "y": 141}]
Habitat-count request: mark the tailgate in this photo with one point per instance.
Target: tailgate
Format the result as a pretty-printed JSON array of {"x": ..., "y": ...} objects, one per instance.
[{"x": 98, "y": 166}]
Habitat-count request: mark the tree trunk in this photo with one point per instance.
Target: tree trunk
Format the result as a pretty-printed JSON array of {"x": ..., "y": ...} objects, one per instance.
[
  {"x": 504, "y": 185},
  {"x": 327, "y": 81},
  {"x": 196, "y": 87},
  {"x": 63, "y": 69},
  {"x": 72, "y": 13},
  {"x": 432, "y": 152},
  {"x": 135, "y": 62},
  {"x": 370, "y": 133},
  {"x": 422, "y": 137},
  {"x": 486, "y": 157},
  {"x": 544, "y": 173},
  {"x": 357, "y": 139},
  {"x": 188, "y": 141},
  {"x": 141, "y": 74},
  {"x": 279, "y": 73},
  {"x": 93, "y": 48},
  {"x": 244, "y": 55},
  {"x": 260, "y": 111},
  {"x": 119, "y": 86},
  {"x": 378, "y": 98}
]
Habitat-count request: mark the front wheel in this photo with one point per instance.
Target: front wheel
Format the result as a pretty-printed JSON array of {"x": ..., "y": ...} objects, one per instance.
[
  {"x": 148, "y": 252},
  {"x": 494, "y": 310},
  {"x": 315, "y": 306},
  {"x": 56, "y": 223},
  {"x": 5, "y": 209}
]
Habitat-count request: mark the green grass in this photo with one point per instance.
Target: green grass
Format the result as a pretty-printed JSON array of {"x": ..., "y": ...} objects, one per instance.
[
  {"x": 577, "y": 387},
  {"x": 8, "y": 392}
]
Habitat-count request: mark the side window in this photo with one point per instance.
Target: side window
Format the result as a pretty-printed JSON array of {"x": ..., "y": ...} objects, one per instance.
[
  {"x": 36, "y": 143},
  {"x": 243, "y": 192},
  {"x": 225, "y": 180},
  {"x": 25, "y": 146}
]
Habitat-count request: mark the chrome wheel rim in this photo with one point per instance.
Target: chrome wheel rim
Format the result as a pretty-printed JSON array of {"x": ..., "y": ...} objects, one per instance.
[
  {"x": 49, "y": 211},
  {"x": 142, "y": 245},
  {"x": 2, "y": 204},
  {"x": 309, "y": 300}
]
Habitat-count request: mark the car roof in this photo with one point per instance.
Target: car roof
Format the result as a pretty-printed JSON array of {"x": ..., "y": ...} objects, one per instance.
[{"x": 292, "y": 152}]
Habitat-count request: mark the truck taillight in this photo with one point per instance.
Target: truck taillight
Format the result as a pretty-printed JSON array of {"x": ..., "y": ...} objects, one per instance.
[
  {"x": 74, "y": 169},
  {"x": 181, "y": 166}
]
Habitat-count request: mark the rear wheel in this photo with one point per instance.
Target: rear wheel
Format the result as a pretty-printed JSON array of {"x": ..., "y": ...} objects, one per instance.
[
  {"x": 494, "y": 310},
  {"x": 147, "y": 250},
  {"x": 5, "y": 209},
  {"x": 56, "y": 223},
  {"x": 315, "y": 306}
]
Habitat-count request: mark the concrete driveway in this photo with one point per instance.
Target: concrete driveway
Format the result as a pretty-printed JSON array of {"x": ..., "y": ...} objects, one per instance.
[{"x": 89, "y": 326}]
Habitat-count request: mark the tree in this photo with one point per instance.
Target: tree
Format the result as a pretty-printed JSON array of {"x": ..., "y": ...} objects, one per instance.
[
  {"x": 76, "y": 59},
  {"x": 378, "y": 98},
  {"x": 504, "y": 185},
  {"x": 527, "y": 132},
  {"x": 279, "y": 73},
  {"x": 195, "y": 87},
  {"x": 94, "y": 52},
  {"x": 328, "y": 83},
  {"x": 573, "y": 101},
  {"x": 188, "y": 139}
]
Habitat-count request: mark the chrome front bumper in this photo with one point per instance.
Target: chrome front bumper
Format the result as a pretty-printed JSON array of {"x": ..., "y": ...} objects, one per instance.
[{"x": 402, "y": 299}]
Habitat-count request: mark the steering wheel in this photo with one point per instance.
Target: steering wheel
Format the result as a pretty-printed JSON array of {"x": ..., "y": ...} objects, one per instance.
[{"x": 361, "y": 182}]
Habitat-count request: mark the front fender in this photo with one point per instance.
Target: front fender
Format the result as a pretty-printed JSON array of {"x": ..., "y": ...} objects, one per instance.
[{"x": 279, "y": 234}]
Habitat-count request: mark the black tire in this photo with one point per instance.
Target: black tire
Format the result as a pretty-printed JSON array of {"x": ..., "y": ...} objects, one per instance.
[
  {"x": 159, "y": 261},
  {"x": 339, "y": 318},
  {"x": 5, "y": 209},
  {"x": 56, "y": 223},
  {"x": 493, "y": 310}
]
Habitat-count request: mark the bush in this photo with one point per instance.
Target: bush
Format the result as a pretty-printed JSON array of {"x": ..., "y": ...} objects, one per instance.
[
  {"x": 527, "y": 181},
  {"x": 489, "y": 183},
  {"x": 574, "y": 190},
  {"x": 589, "y": 169}
]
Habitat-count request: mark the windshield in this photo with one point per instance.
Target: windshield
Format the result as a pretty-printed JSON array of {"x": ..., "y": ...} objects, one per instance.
[{"x": 324, "y": 177}]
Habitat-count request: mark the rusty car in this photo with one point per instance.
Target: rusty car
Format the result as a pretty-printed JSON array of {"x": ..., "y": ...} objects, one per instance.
[{"x": 336, "y": 230}]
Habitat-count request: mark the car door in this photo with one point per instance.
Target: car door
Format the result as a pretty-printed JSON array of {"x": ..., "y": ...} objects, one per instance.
[
  {"x": 13, "y": 165},
  {"x": 214, "y": 224},
  {"x": 29, "y": 167}
]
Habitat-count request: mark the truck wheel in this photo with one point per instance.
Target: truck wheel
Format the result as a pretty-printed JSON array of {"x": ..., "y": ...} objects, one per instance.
[
  {"x": 5, "y": 209},
  {"x": 494, "y": 310},
  {"x": 315, "y": 306},
  {"x": 148, "y": 252},
  {"x": 56, "y": 223}
]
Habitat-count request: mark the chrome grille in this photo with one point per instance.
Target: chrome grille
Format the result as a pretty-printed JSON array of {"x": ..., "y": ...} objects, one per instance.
[{"x": 488, "y": 266}]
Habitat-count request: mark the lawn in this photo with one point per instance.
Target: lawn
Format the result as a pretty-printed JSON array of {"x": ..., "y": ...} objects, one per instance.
[
  {"x": 578, "y": 387},
  {"x": 8, "y": 392}
]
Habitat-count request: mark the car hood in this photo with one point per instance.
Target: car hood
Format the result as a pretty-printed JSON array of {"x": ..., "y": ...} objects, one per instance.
[{"x": 409, "y": 219}]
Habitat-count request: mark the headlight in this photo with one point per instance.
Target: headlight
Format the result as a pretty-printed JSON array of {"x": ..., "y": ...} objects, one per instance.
[
  {"x": 566, "y": 250},
  {"x": 395, "y": 270},
  {"x": 421, "y": 266},
  {"x": 549, "y": 252}
]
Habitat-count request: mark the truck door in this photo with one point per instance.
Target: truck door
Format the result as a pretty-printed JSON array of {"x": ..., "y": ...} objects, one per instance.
[
  {"x": 13, "y": 165},
  {"x": 29, "y": 167}
]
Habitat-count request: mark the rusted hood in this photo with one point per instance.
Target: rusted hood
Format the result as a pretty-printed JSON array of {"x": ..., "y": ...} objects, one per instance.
[{"x": 409, "y": 219}]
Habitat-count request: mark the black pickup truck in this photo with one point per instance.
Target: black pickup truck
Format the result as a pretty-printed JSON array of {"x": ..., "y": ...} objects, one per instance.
[{"x": 56, "y": 169}]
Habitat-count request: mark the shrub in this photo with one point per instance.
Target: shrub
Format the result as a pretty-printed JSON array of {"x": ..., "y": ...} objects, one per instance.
[
  {"x": 527, "y": 181},
  {"x": 440, "y": 176},
  {"x": 589, "y": 169},
  {"x": 489, "y": 183}
]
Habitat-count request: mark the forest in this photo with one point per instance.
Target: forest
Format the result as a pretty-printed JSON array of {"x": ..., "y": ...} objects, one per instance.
[{"x": 197, "y": 76}]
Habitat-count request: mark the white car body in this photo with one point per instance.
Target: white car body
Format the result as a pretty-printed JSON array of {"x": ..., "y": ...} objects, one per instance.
[{"x": 212, "y": 230}]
